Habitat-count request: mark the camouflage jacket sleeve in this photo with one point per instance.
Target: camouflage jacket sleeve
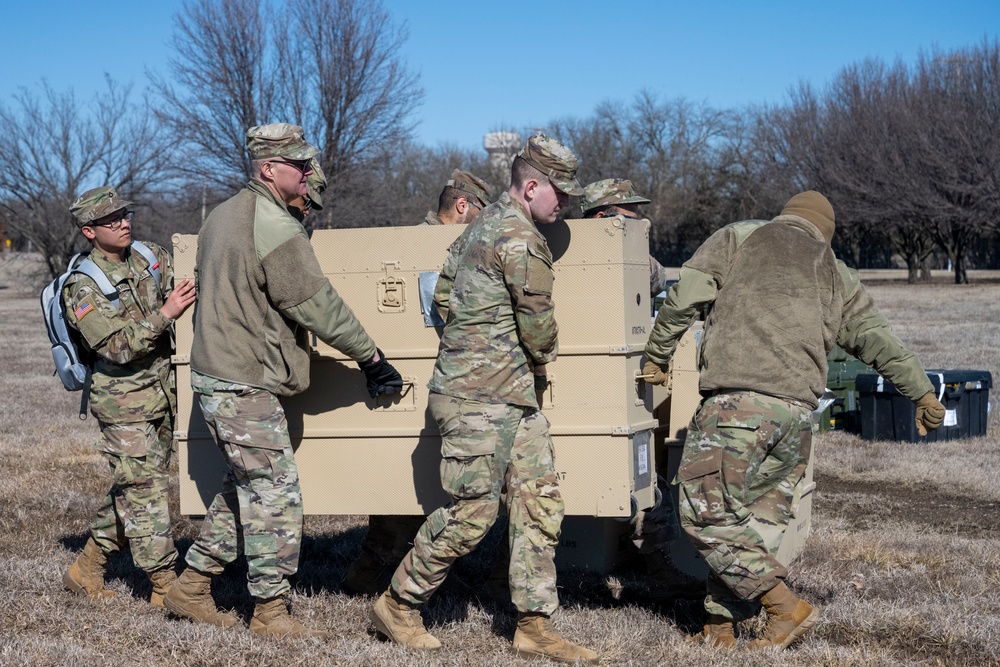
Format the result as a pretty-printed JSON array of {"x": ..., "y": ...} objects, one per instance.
[
  {"x": 657, "y": 277},
  {"x": 446, "y": 279},
  {"x": 865, "y": 333},
  {"x": 126, "y": 333},
  {"x": 527, "y": 269},
  {"x": 685, "y": 301}
]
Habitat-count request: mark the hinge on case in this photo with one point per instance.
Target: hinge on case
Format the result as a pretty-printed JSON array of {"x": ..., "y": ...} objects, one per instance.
[{"x": 622, "y": 430}]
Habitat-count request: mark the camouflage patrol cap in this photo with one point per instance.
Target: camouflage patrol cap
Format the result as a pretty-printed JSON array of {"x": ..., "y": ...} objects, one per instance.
[
  {"x": 315, "y": 184},
  {"x": 610, "y": 192},
  {"x": 278, "y": 140},
  {"x": 553, "y": 159},
  {"x": 472, "y": 185},
  {"x": 97, "y": 203}
]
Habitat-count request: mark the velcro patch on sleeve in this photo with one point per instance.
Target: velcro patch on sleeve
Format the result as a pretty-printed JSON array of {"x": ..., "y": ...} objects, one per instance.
[{"x": 83, "y": 309}]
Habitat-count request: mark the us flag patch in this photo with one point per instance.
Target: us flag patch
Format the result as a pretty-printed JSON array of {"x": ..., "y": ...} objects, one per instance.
[{"x": 84, "y": 308}]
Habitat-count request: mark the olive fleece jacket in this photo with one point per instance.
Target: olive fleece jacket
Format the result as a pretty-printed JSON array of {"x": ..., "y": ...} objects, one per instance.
[
  {"x": 778, "y": 299},
  {"x": 260, "y": 291}
]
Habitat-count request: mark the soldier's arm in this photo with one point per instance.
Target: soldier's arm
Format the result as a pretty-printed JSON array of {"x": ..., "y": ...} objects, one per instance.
[
  {"x": 657, "y": 277},
  {"x": 529, "y": 277},
  {"x": 298, "y": 288},
  {"x": 866, "y": 334},
  {"x": 108, "y": 332},
  {"x": 442, "y": 291},
  {"x": 685, "y": 300}
]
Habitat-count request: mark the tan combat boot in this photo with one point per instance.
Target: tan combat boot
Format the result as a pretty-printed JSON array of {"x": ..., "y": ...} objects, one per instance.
[
  {"x": 271, "y": 619},
  {"x": 162, "y": 581},
  {"x": 402, "y": 623},
  {"x": 788, "y": 618},
  {"x": 718, "y": 630},
  {"x": 86, "y": 574},
  {"x": 537, "y": 637},
  {"x": 191, "y": 597}
]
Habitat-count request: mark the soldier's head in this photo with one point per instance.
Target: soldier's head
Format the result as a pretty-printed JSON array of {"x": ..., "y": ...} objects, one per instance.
[
  {"x": 543, "y": 176},
  {"x": 104, "y": 218},
  {"x": 312, "y": 200},
  {"x": 611, "y": 196},
  {"x": 815, "y": 208},
  {"x": 280, "y": 159},
  {"x": 463, "y": 196}
]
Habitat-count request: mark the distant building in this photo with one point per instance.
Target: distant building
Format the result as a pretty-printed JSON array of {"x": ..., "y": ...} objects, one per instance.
[{"x": 502, "y": 147}]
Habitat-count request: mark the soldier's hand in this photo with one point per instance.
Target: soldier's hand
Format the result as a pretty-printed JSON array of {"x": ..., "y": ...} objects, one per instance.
[
  {"x": 930, "y": 413},
  {"x": 657, "y": 374},
  {"x": 381, "y": 376},
  {"x": 179, "y": 299},
  {"x": 541, "y": 377}
]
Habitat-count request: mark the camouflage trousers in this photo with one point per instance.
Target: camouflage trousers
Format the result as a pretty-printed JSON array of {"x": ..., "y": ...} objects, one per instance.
[
  {"x": 260, "y": 505},
  {"x": 744, "y": 456},
  {"x": 135, "y": 511},
  {"x": 490, "y": 453}
]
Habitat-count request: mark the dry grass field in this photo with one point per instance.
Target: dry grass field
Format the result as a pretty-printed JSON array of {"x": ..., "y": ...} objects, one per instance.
[{"x": 904, "y": 556}]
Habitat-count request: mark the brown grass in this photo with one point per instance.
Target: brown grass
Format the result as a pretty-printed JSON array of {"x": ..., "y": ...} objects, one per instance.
[{"x": 904, "y": 556}]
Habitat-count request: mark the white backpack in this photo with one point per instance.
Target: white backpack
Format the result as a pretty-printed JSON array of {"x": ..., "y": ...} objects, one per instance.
[{"x": 73, "y": 362}]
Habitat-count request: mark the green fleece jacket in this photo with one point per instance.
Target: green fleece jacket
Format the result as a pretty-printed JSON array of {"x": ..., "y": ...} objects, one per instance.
[
  {"x": 260, "y": 291},
  {"x": 778, "y": 299}
]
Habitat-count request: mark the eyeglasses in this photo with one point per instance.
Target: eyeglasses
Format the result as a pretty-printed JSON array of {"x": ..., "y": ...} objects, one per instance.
[
  {"x": 300, "y": 165},
  {"x": 116, "y": 224}
]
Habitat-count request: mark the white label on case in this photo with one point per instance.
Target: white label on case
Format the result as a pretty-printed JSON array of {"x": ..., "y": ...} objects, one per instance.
[
  {"x": 951, "y": 417},
  {"x": 643, "y": 459}
]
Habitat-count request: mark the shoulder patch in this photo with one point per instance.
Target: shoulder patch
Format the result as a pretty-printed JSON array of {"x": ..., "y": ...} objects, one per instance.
[{"x": 83, "y": 309}]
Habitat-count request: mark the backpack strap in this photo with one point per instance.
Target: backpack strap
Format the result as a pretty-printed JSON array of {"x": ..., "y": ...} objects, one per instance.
[
  {"x": 154, "y": 264},
  {"x": 88, "y": 268}
]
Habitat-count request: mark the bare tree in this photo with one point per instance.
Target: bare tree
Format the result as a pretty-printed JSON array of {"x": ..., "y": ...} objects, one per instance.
[{"x": 55, "y": 148}]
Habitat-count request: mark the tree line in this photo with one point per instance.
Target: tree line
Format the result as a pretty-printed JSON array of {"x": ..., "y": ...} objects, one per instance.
[{"x": 907, "y": 152}]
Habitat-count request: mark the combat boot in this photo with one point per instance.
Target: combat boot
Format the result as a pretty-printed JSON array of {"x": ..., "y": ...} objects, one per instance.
[
  {"x": 537, "y": 637},
  {"x": 86, "y": 574},
  {"x": 401, "y": 622},
  {"x": 788, "y": 618},
  {"x": 718, "y": 631},
  {"x": 191, "y": 597},
  {"x": 271, "y": 619},
  {"x": 162, "y": 581}
]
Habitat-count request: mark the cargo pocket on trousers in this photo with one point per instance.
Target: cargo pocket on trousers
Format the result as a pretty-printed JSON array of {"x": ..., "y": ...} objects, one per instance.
[{"x": 468, "y": 456}]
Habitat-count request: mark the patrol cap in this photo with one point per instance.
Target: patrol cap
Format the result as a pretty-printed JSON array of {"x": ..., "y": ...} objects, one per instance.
[
  {"x": 278, "y": 140},
  {"x": 553, "y": 159},
  {"x": 610, "y": 192},
  {"x": 471, "y": 185},
  {"x": 315, "y": 184},
  {"x": 97, "y": 203}
]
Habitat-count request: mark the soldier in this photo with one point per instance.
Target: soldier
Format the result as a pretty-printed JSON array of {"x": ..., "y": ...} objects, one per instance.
[
  {"x": 132, "y": 392},
  {"x": 495, "y": 292},
  {"x": 463, "y": 196},
  {"x": 779, "y": 301},
  {"x": 389, "y": 537},
  {"x": 653, "y": 531},
  {"x": 302, "y": 205},
  {"x": 616, "y": 196},
  {"x": 263, "y": 292}
]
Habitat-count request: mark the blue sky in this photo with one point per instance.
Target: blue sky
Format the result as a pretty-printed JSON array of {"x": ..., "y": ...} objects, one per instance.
[{"x": 485, "y": 65}]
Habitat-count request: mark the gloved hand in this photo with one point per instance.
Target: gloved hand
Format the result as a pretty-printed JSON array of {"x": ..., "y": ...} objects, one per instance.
[
  {"x": 541, "y": 378},
  {"x": 382, "y": 377},
  {"x": 658, "y": 374},
  {"x": 930, "y": 413}
]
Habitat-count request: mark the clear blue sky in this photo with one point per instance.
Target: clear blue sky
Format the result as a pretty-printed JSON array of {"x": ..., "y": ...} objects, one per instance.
[{"x": 515, "y": 63}]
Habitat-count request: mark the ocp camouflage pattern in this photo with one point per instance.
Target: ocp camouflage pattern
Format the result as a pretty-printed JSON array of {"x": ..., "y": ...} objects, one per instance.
[
  {"x": 501, "y": 318},
  {"x": 260, "y": 505},
  {"x": 491, "y": 453},
  {"x": 744, "y": 456},
  {"x": 131, "y": 372}
]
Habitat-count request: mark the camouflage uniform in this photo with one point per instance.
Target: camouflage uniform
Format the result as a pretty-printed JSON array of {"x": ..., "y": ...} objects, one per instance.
[
  {"x": 496, "y": 288},
  {"x": 462, "y": 183},
  {"x": 779, "y": 300},
  {"x": 132, "y": 393},
  {"x": 261, "y": 290}
]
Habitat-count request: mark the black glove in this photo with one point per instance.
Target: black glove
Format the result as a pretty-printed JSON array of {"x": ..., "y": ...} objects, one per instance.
[{"x": 382, "y": 377}]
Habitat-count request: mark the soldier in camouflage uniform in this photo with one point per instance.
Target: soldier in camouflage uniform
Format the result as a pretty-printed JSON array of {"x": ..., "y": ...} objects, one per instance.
[
  {"x": 302, "y": 205},
  {"x": 779, "y": 299},
  {"x": 463, "y": 196},
  {"x": 617, "y": 196},
  {"x": 389, "y": 537},
  {"x": 132, "y": 393},
  {"x": 652, "y": 531},
  {"x": 495, "y": 292},
  {"x": 262, "y": 291}
]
